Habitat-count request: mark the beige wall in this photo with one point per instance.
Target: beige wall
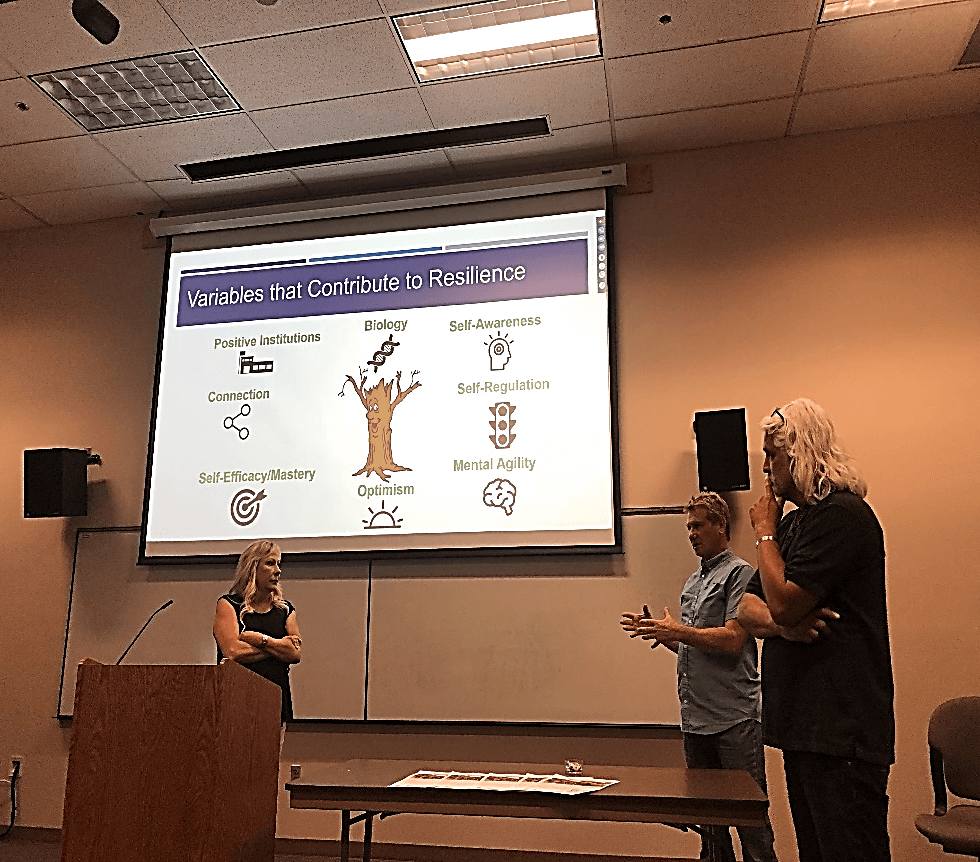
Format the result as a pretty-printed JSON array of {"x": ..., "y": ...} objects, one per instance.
[{"x": 844, "y": 267}]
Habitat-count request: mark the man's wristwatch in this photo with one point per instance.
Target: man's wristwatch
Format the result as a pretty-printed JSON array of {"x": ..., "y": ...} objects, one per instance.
[
  {"x": 265, "y": 640},
  {"x": 762, "y": 539}
]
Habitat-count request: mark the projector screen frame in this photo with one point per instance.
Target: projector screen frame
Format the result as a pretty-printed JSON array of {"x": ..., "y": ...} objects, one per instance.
[{"x": 614, "y": 547}]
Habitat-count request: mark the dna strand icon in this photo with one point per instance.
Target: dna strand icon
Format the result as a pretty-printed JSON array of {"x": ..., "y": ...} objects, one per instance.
[{"x": 381, "y": 355}]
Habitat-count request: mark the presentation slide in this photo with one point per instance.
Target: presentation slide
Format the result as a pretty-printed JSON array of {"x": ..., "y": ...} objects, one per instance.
[{"x": 430, "y": 389}]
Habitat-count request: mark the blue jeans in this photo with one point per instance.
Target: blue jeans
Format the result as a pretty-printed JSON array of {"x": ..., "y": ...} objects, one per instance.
[
  {"x": 739, "y": 747},
  {"x": 840, "y": 807}
]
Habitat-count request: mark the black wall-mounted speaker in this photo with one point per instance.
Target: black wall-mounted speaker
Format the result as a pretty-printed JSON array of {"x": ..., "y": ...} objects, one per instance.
[
  {"x": 55, "y": 483},
  {"x": 723, "y": 454}
]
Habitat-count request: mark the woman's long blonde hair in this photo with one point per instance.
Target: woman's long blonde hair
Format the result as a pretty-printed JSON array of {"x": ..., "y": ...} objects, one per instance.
[{"x": 248, "y": 565}]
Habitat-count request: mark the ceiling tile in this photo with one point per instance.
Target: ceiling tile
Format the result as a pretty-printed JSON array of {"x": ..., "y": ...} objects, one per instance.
[
  {"x": 631, "y": 27},
  {"x": 709, "y": 127},
  {"x": 14, "y": 217},
  {"x": 354, "y": 118},
  {"x": 153, "y": 152},
  {"x": 565, "y": 147},
  {"x": 923, "y": 41},
  {"x": 401, "y": 7},
  {"x": 43, "y": 119},
  {"x": 50, "y": 166},
  {"x": 352, "y": 59},
  {"x": 892, "y": 102},
  {"x": 95, "y": 204},
  {"x": 313, "y": 72},
  {"x": 206, "y": 22},
  {"x": 262, "y": 188},
  {"x": 6, "y": 70},
  {"x": 49, "y": 39},
  {"x": 746, "y": 71},
  {"x": 570, "y": 95}
]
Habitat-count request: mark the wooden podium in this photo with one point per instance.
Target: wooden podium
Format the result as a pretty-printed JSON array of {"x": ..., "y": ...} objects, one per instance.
[{"x": 172, "y": 762}]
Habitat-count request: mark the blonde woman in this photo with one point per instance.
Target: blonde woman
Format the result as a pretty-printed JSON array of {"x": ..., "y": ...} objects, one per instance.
[{"x": 254, "y": 625}]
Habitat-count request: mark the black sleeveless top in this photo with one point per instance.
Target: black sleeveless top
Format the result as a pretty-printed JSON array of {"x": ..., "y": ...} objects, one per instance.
[{"x": 273, "y": 624}]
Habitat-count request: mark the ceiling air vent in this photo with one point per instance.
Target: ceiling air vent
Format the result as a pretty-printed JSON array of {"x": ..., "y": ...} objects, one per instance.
[
  {"x": 371, "y": 148},
  {"x": 177, "y": 86}
]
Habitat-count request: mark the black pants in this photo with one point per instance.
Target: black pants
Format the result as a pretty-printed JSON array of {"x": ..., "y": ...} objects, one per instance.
[
  {"x": 739, "y": 747},
  {"x": 840, "y": 807}
]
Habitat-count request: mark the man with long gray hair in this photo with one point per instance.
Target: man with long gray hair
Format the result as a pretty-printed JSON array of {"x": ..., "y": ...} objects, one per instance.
[{"x": 827, "y": 693}]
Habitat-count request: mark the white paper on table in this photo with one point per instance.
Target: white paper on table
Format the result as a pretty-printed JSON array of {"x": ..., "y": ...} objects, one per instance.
[
  {"x": 564, "y": 784},
  {"x": 573, "y": 784},
  {"x": 423, "y": 778}
]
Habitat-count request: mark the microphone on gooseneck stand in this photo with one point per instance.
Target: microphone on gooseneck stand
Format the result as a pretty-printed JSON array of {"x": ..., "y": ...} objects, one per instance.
[{"x": 161, "y": 608}]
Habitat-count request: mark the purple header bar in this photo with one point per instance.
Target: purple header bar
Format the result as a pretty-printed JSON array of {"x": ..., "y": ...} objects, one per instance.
[{"x": 380, "y": 284}]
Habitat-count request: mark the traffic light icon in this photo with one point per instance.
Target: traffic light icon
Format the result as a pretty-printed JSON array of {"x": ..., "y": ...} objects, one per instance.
[{"x": 503, "y": 424}]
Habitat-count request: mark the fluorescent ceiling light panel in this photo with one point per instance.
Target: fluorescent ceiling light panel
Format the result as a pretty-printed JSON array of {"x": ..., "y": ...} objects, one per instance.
[
  {"x": 486, "y": 40},
  {"x": 834, "y": 10},
  {"x": 500, "y": 34},
  {"x": 175, "y": 86}
]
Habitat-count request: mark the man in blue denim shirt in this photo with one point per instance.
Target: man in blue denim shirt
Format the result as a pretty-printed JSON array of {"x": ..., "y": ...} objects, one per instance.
[{"x": 717, "y": 669}]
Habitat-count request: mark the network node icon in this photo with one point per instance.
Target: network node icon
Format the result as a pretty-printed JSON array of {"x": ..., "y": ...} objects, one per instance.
[{"x": 230, "y": 422}]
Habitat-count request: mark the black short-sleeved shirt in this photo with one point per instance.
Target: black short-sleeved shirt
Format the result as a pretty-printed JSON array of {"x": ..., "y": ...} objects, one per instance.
[
  {"x": 273, "y": 624},
  {"x": 834, "y": 696}
]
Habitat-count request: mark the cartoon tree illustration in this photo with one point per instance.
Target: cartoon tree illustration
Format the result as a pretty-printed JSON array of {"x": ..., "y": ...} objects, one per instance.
[{"x": 379, "y": 405}]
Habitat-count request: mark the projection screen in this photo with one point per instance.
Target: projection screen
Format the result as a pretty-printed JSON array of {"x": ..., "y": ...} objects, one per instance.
[{"x": 438, "y": 380}]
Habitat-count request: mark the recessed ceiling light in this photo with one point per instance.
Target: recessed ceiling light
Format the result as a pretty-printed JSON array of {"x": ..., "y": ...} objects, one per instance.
[
  {"x": 834, "y": 10},
  {"x": 496, "y": 35},
  {"x": 177, "y": 86}
]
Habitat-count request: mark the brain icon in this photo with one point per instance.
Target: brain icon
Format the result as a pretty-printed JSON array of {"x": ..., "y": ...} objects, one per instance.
[{"x": 500, "y": 494}]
